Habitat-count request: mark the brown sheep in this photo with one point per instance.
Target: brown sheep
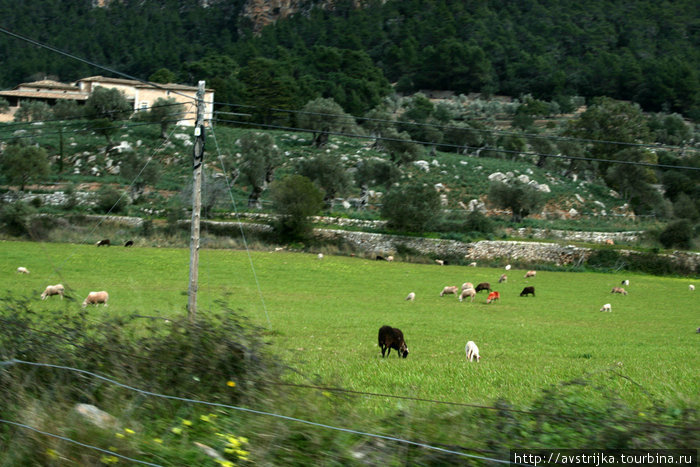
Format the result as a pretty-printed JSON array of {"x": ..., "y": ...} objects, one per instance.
[
  {"x": 530, "y": 274},
  {"x": 104, "y": 242},
  {"x": 618, "y": 290},
  {"x": 483, "y": 286},
  {"x": 449, "y": 290},
  {"x": 392, "y": 338}
]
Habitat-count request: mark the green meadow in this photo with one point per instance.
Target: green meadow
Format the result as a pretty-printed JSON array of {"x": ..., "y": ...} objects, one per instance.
[{"x": 322, "y": 317}]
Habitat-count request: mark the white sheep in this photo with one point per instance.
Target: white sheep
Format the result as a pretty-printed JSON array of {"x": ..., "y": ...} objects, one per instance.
[
  {"x": 625, "y": 282},
  {"x": 411, "y": 296},
  {"x": 467, "y": 285},
  {"x": 472, "y": 264},
  {"x": 530, "y": 274},
  {"x": 691, "y": 287},
  {"x": 50, "y": 290},
  {"x": 467, "y": 293},
  {"x": 95, "y": 298},
  {"x": 320, "y": 256},
  {"x": 606, "y": 307},
  {"x": 22, "y": 270},
  {"x": 507, "y": 267},
  {"x": 472, "y": 352},
  {"x": 440, "y": 262},
  {"x": 390, "y": 258},
  {"x": 448, "y": 290}
]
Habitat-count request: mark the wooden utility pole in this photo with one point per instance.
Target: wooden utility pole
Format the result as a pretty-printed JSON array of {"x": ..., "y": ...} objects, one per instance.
[{"x": 196, "y": 203}]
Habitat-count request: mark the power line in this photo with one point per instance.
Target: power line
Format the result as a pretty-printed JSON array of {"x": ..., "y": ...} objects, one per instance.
[
  {"x": 260, "y": 412},
  {"x": 9, "y": 126},
  {"x": 461, "y": 146},
  {"x": 96, "y": 65},
  {"x": 85, "y": 130},
  {"x": 449, "y": 127},
  {"x": 63, "y": 438},
  {"x": 229, "y": 185}
]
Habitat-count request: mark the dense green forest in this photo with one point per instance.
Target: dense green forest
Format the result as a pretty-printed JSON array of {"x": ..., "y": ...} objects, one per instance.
[{"x": 643, "y": 51}]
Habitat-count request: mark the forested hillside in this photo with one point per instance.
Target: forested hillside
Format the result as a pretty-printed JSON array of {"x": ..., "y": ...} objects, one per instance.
[{"x": 643, "y": 51}]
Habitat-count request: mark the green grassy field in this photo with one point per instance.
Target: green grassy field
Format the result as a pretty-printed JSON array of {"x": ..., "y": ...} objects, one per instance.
[{"x": 324, "y": 316}]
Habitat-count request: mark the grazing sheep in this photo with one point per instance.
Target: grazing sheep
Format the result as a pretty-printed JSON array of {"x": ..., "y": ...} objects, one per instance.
[
  {"x": 95, "y": 298},
  {"x": 472, "y": 265},
  {"x": 390, "y": 258},
  {"x": 606, "y": 307},
  {"x": 320, "y": 256},
  {"x": 411, "y": 296},
  {"x": 503, "y": 278},
  {"x": 507, "y": 267},
  {"x": 618, "y": 290},
  {"x": 530, "y": 274},
  {"x": 50, "y": 290},
  {"x": 528, "y": 290},
  {"x": 493, "y": 296},
  {"x": 22, "y": 270},
  {"x": 104, "y": 242},
  {"x": 129, "y": 243},
  {"x": 691, "y": 287},
  {"x": 483, "y": 286},
  {"x": 472, "y": 352},
  {"x": 392, "y": 338},
  {"x": 440, "y": 262},
  {"x": 380, "y": 258},
  {"x": 450, "y": 289},
  {"x": 467, "y": 293},
  {"x": 467, "y": 285},
  {"x": 626, "y": 282}
]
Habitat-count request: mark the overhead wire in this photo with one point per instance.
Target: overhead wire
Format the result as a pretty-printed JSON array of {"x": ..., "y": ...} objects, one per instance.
[
  {"x": 459, "y": 146},
  {"x": 240, "y": 225},
  {"x": 352, "y": 118},
  {"x": 91, "y": 63}
]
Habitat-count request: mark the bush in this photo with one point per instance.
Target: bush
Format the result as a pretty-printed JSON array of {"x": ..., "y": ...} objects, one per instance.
[
  {"x": 412, "y": 208},
  {"x": 479, "y": 222},
  {"x": 678, "y": 234},
  {"x": 14, "y": 218},
  {"x": 110, "y": 200},
  {"x": 294, "y": 199}
]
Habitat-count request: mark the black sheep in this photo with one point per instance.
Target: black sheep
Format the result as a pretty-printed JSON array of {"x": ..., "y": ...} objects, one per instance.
[
  {"x": 528, "y": 290},
  {"x": 104, "y": 242},
  {"x": 483, "y": 286},
  {"x": 129, "y": 243},
  {"x": 392, "y": 338}
]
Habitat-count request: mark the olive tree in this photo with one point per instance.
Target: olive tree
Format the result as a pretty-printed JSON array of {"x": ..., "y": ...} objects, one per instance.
[
  {"x": 295, "y": 198},
  {"x": 23, "y": 164},
  {"x": 520, "y": 198}
]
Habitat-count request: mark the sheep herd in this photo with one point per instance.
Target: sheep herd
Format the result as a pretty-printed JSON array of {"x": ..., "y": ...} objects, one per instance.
[{"x": 393, "y": 338}]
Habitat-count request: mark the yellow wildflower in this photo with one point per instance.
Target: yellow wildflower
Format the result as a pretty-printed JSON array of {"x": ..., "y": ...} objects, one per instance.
[
  {"x": 129, "y": 431},
  {"x": 177, "y": 430},
  {"x": 119, "y": 435},
  {"x": 187, "y": 423},
  {"x": 233, "y": 441},
  {"x": 204, "y": 418},
  {"x": 231, "y": 384},
  {"x": 51, "y": 453},
  {"x": 243, "y": 440},
  {"x": 158, "y": 440},
  {"x": 326, "y": 393}
]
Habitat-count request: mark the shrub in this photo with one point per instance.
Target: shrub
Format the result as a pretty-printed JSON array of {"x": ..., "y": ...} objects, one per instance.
[
  {"x": 14, "y": 218},
  {"x": 678, "y": 234},
  {"x": 412, "y": 208},
  {"x": 110, "y": 200},
  {"x": 295, "y": 198}
]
